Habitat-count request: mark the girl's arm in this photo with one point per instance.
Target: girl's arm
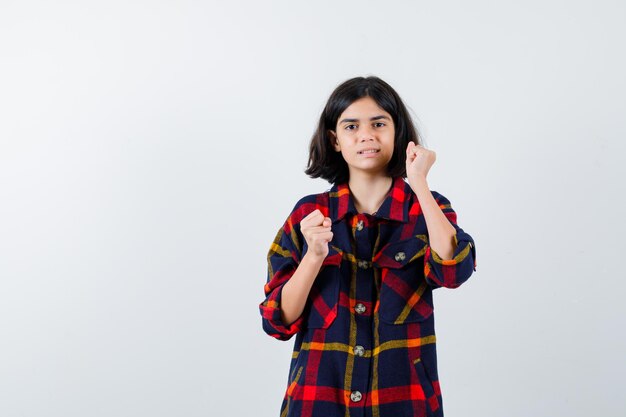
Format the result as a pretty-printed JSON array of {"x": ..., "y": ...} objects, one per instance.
[
  {"x": 440, "y": 230},
  {"x": 297, "y": 289},
  {"x": 289, "y": 280},
  {"x": 450, "y": 257}
]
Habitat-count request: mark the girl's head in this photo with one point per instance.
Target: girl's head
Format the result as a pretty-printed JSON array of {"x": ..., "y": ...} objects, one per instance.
[{"x": 362, "y": 112}]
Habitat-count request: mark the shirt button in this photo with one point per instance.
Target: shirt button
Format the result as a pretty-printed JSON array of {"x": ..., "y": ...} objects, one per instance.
[
  {"x": 359, "y": 225},
  {"x": 363, "y": 264},
  {"x": 359, "y": 350},
  {"x": 400, "y": 256},
  {"x": 359, "y": 308},
  {"x": 356, "y": 396}
]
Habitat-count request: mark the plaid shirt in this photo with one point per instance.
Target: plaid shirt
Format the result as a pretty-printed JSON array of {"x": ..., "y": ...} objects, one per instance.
[{"x": 365, "y": 342}]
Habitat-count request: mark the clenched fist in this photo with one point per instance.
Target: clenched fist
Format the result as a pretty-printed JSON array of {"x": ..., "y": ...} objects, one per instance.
[
  {"x": 418, "y": 161},
  {"x": 316, "y": 230}
]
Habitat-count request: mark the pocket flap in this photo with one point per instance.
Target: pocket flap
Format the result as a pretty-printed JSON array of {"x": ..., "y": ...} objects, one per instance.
[{"x": 397, "y": 254}]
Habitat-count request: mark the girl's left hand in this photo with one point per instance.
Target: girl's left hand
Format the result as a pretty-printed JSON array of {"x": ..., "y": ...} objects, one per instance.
[{"x": 418, "y": 161}]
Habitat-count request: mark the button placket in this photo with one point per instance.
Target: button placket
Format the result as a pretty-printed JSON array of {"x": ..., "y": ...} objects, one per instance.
[{"x": 364, "y": 265}]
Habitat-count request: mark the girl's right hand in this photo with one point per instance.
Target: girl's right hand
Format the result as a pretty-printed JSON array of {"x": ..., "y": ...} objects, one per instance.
[{"x": 316, "y": 230}]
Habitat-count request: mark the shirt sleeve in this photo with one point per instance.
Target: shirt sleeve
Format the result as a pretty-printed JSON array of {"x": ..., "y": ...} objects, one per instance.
[
  {"x": 283, "y": 259},
  {"x": 450, "y": 273}
]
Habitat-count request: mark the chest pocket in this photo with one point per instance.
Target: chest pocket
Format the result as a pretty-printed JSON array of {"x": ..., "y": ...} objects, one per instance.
[
  {"x": 405, "y": 297},
  {"x": 323, "y": 300}
]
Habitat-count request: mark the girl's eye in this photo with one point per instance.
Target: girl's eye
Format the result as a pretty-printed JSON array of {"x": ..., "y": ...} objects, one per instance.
[{"x": 377, "y": 123}]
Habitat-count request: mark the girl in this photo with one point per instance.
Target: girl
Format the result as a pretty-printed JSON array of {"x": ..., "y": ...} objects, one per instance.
[{"x": 351, "y": 271}]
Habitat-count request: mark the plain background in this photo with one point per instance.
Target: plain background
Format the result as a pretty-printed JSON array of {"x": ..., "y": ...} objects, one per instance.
[{"x": 150, "y": 151}]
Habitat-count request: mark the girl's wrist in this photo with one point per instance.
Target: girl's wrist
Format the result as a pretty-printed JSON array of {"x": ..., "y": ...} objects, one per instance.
[
  {"x": 312, "y": 259},
  {"x": 419, "y": 184}
]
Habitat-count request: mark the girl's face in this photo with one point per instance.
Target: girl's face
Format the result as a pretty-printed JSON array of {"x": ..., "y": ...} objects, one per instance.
[{"x": 362, "y": 126}]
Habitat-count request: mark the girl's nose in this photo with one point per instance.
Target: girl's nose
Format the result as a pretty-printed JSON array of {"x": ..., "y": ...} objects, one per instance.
[{"x": 365, "y": 133}]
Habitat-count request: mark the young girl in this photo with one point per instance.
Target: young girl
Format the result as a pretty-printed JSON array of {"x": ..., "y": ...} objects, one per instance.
[{"x": 351, "y": 271}]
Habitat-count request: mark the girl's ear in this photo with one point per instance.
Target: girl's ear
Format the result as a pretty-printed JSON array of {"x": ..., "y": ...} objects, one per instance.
[{"x": 333, "y": 140}]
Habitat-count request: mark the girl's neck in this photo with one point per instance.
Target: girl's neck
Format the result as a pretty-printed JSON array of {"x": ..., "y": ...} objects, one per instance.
[{"x": 369, "y": 192}]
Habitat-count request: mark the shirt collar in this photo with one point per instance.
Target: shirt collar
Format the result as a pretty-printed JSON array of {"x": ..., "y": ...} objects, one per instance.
[{"x": 394, "y": 207}]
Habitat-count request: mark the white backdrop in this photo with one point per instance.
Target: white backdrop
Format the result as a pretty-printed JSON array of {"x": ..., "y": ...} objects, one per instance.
[{"x": 150, "y": 151}]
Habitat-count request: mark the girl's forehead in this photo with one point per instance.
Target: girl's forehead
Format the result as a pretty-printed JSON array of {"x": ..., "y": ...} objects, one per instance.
[{"x": 364, "y": 107}]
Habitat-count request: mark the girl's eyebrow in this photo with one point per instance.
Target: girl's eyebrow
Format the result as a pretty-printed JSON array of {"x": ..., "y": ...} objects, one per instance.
[{"x": 371, "y": 118}]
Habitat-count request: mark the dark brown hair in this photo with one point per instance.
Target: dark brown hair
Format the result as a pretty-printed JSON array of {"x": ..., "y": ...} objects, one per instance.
[{"x": 325, "y": 162}]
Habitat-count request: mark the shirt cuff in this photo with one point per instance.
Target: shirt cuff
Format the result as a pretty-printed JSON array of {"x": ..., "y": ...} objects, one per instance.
[
  {"x": 451, "y": 273},
  {"x": 272, "y": 320}
]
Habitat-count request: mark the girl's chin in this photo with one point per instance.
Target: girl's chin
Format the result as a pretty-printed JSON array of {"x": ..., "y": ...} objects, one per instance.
[{"x": 370, "y": 169}]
